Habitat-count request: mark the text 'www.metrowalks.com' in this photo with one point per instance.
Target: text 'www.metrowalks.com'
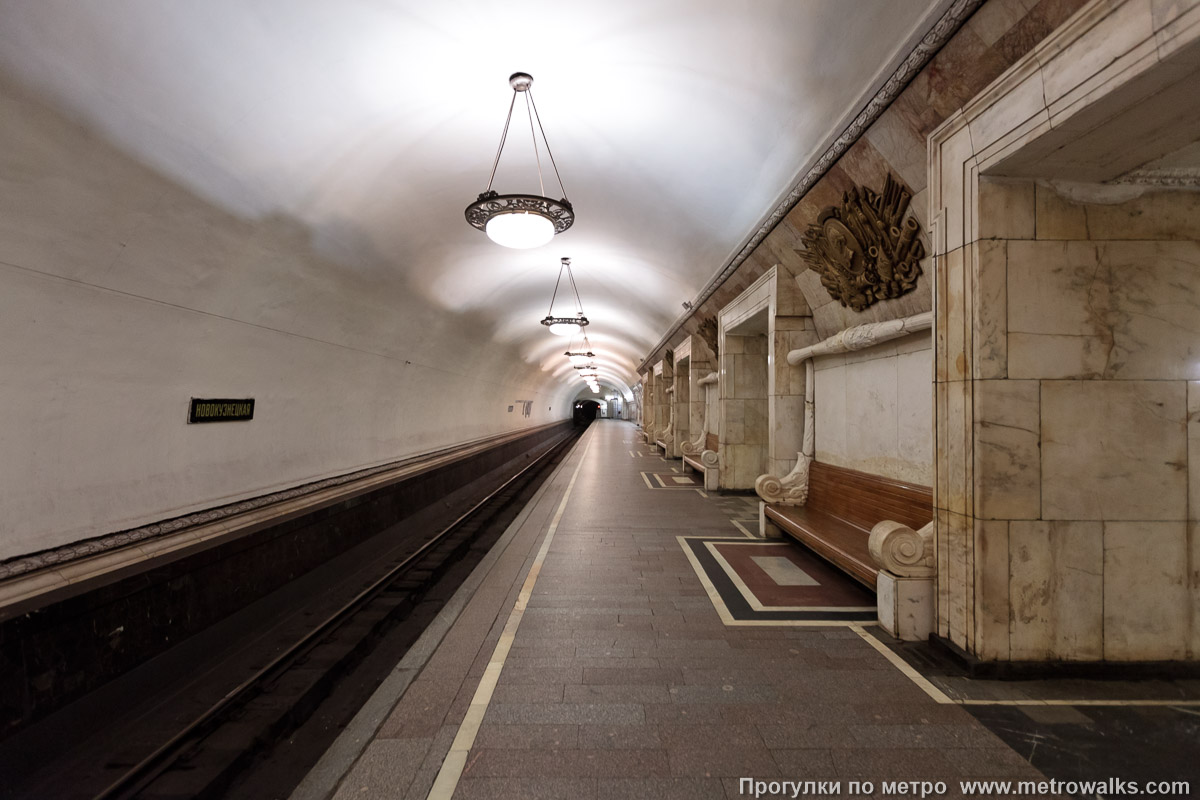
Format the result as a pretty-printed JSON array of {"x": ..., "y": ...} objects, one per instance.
[{"x": 1111, "y": 787}]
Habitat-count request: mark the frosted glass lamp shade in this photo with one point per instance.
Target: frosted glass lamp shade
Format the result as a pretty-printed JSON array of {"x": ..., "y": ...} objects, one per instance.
[{"x": 520, "y": 230}]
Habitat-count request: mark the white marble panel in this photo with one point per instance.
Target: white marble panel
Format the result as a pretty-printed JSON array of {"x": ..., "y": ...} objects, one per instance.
[
  {"x": 1175, "y": 25},
  {"x": 955, "y": 151},
  {"x": 1163, "y": 215},
  {"x": 991, "y": 589},
  {"x": 1006, "y": 208},
  {"x": 1023, "y": 101},
  {"x": 1056, "y": 324},
  {"x": 787, "y": 427},
  {"x": 921, "y": 340},
  {"x": 996, "y": 18},
  {"x": 961, "y": 573},
  {"x": 1146, "y": 599},
  {"x": 1193, "y": 449},
  {"x": 733, "y": 422},
  {"x": 1194, "y": 587},
  {"x": 1007, "y": 472},
  {"x": 741, "y": 464},
  {"x": 871, "y": 414},
  {"x": 1056, "y": 590},
  {"x": 914, "y": 414},
  {"x": 1128, "y": 310},
  {"x": 1100, "y": 53},
  {"x": 989, "y": 337},
  {"x": 1057, "y": 217},
  {"x": 756, "y": 428},
  {"x": 1124, "y": 459},
  {"x": 953, "y": 447},
  {"x": 955, "y": 320},
  {"x": 830, "y": 400},
  {"x": 1155, "y": 308},
  {"x": 902, "y": 147}
]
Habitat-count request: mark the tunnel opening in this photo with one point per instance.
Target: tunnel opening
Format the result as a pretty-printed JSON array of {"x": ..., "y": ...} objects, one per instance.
[{"x": 586, "y": 412}]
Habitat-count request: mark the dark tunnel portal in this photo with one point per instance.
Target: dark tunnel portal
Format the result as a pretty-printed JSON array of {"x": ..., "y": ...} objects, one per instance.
[{"x": 586, "y": 411}]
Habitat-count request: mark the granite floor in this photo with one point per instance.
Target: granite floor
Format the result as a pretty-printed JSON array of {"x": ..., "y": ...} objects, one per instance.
[{"x": 621, "y": 681}]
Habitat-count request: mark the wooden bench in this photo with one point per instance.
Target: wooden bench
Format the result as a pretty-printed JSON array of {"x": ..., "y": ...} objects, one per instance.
[
  {"x": 696, "y": 462},
  {"x": 843, "y": 505}
]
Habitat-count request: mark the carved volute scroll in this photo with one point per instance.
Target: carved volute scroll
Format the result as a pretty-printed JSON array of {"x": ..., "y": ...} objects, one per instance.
[
  {"x": 791, "y": 489},
  {"x": 694, "y": 447},
  {"x": 865, "y": 250},
  {"x": 902, "y": 551}
]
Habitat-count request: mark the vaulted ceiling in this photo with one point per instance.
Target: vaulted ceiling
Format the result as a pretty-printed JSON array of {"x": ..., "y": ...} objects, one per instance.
[{"x": 677, "y": 126}]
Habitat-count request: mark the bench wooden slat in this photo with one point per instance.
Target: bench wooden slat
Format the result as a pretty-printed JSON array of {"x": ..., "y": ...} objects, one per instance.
[
  {"x": 843, "y": 505},
  {"x": 856, "y": 497},
  {"x": 829, "y": 537}
]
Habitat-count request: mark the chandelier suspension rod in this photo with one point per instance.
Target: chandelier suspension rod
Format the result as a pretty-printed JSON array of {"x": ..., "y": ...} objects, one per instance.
[
  {"x": 550, "y": 313},
  {"x": 503, "y": 137},
  {"x": 536, "y": 155},
  {"x": 538, "y": 117},
  {"x": 574, "y": 288}
]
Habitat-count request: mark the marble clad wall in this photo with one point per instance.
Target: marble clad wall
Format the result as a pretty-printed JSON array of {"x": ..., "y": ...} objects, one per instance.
[
  {"x": 743, "y": 430},
  {"x": 700, "y": 364},
  {"x": 994, "y": 37},
  {"x": 759, "y": 389},
  {"x": 874, "y": 409},
  {"x": 1066, "y": 353},
  {"x": 664, "y": 378},
  {"x": 683, "y": 406},
  {"x": 122, "y": 295},
  {"x": 712, "y": 400},
  {"x": 888, "y": 438},
  {"x": 1081, "y": 435}
]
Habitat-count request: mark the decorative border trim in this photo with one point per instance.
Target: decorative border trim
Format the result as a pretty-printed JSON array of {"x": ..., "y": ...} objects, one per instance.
[
  {"x": 916, "y": 60},
  {"x": 1173, "y": 177},
  {"x": 22, "y": 565}
]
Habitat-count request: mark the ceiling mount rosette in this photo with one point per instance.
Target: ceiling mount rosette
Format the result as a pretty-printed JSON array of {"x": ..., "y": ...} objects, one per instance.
[{"x": 522, "y": 220}]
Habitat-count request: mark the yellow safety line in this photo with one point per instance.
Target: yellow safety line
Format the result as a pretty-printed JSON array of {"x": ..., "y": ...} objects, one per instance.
[
  {"x": 941, "y": 697},
  {"x": 456, "y": 760},
  {"x": 902, "y": 665}
]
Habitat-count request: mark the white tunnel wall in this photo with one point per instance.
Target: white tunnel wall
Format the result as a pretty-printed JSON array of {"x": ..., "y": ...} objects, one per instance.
[{"x": 123, "y": 295}]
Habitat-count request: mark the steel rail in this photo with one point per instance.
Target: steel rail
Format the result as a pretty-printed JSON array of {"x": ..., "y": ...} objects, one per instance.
[{"x": 148, "y": 769}]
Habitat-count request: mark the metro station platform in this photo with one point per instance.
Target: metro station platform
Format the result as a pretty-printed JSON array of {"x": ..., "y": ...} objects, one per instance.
[{"x": 588, "y": 658}]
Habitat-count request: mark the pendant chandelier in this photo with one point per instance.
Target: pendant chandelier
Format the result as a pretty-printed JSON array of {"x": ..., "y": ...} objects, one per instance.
[
  {"x": 580, "y": 357},
  {"x": 565, "y": 326},
  {"x": 522, "y": 220}
]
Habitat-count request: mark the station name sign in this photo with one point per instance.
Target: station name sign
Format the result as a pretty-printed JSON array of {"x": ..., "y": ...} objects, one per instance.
[{"x": 220, "y": 410}]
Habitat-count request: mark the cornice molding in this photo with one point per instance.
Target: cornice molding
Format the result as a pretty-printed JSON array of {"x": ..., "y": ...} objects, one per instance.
[{"x": 933, "y": 41}]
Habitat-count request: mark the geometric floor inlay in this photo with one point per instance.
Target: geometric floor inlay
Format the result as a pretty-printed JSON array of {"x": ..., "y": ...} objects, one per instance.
[
  {"x": 755, "y": 582},
  {"x": 673, "y": 480}
]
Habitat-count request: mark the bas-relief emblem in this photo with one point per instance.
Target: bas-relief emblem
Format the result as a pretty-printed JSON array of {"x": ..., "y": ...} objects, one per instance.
[{"x": 865, "y": 250}]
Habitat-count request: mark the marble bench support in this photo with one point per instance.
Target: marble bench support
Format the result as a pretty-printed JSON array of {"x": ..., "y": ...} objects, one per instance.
[
  {"x": 905, "y": 586},
  {"x": 792, "y": 489}
]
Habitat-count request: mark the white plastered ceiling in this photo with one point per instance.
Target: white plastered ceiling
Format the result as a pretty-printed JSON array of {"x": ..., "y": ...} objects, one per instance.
[{"x": 361, "y": 129}]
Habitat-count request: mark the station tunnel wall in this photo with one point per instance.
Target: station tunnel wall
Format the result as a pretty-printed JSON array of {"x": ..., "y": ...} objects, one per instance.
[{"x": 123, "y": 295}]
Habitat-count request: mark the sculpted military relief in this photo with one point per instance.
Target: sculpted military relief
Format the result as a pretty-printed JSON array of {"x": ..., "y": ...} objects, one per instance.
[{"x": 865, "y": 250}]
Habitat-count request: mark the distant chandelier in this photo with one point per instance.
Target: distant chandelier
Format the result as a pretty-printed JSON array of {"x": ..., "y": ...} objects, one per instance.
[
  {"x": 522, "y": 220},
  {"x": 565, "y": 326},
  {"x": 579, "y": 357}
]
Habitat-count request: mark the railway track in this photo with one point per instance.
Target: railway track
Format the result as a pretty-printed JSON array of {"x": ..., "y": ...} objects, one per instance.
[{"x": 222, "y": 745}]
